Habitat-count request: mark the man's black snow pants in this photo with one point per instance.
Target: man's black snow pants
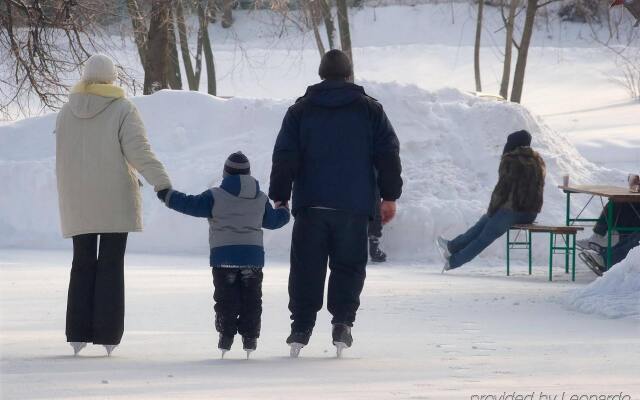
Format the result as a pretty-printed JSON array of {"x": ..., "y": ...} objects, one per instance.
[
  {"x": 238, "y": 300},
  {"x": 95, "y": 303},
  {"x": 321, "y": 235}
]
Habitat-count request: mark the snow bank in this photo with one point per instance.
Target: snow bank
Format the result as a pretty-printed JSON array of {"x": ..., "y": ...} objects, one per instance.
[
  {"x": 616, "y": 294},
  {"x": 451, "y": 144}
]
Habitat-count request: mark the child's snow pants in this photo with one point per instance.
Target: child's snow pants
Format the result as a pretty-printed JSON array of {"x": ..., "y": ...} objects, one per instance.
[{"x": 238, "y": 300}]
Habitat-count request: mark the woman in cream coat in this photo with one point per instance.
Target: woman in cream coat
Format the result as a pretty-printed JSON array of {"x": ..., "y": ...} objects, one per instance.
[{"x": 100, "y": 145}]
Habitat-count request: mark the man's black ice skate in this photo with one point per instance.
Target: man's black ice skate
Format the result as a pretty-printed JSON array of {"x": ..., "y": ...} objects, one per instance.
[
  {"x": 342, "y": 338},
  {"x": 375, "y": 253},
  {"x": 297, "y": 340},
  {"x": 249, "y": 344},
  {"x": 224, "y": 344}
]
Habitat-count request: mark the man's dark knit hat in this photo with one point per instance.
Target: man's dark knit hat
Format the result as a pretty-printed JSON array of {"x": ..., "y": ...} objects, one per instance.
[
  {"x": 237, "y": 164},
  {"x": 335, "y": 64},
  {"x": 517, "y": 139}
]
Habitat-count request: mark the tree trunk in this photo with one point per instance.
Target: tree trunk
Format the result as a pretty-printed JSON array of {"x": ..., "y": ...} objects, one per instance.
[
  {"x": 328, "y": 22},
  {"x": 345, "y": 34},
  {"x": 206, "y": 46},
  {"x": 157, "y": 69},
  {"x": 508, "y": 48},
  {"x": 523, "y": 51},
  {"x": 311, "y": 7},
  {"x": 184, "y": 47},
  {"x": 227, "y": 13},
  {"x": 175, "y": 76},
  {"x": 476, "y": 51},
  {"x": 139, "y": 29}
]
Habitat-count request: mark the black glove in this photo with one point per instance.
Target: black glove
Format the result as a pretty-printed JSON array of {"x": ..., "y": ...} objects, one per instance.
[{"x": 162, "y": 194}]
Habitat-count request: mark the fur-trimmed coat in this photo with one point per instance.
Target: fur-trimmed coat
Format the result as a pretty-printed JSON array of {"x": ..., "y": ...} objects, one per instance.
[{"x": 520, "y": 185}]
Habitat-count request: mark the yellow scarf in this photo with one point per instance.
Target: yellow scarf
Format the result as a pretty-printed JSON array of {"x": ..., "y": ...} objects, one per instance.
[{"x": 99, "y": 89}]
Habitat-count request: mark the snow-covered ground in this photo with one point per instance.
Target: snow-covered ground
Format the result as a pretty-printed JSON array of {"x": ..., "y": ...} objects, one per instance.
[{"x": 419, "y": 335}]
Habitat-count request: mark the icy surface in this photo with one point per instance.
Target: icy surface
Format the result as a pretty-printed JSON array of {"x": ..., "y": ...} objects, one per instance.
[
  {"x": 419, "y": 335},
  {"x": 451, "y": 145},
  {"x": 616, "y": 294}
]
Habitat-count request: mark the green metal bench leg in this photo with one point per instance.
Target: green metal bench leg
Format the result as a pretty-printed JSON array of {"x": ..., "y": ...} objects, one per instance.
[
  {"x": 508, "y": 249},
  {"x": 573, "y": 263},
  {"x": 551, "y": 256},
  {"x": 566, "y": 253},
  {"x": 609, "y": 233},
  {"x": 530, "y": 259}
]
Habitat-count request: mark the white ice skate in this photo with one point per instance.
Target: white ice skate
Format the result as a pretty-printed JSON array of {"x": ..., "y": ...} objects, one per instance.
[
  {"x": 77, "y": 347},
  {"x": 109, "y": 348},
  {"x": 339, "y": 348},
  {"x": 222, "y": 353},
  {"x": 585, "y": 244},
  {"x": 294, "y": 352},
  {"x": 248, "y": 353}
]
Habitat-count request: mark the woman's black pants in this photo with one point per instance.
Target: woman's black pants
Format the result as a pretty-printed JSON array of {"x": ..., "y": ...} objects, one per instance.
[{"x": 95, "y": 304}]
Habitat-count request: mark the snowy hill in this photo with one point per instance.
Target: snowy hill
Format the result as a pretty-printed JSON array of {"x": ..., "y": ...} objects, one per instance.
[{"x": 451, "y": 143}]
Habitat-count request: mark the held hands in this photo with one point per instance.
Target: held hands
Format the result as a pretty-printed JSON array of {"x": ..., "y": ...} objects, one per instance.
[
  {"x": 387, "y": 211},
  {"x": 162, "y": 194},
  {"x": 279, "y": 204}
]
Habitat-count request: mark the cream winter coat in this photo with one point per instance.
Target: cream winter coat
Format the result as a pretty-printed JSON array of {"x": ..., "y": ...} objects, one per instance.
[{"x": 100, "y": 144}]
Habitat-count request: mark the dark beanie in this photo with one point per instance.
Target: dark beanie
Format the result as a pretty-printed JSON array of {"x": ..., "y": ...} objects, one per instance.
[
  {"x": 237, "y": 164},
  {"x": 517, "y": 139},
  {"x": 335, "y": 64}
]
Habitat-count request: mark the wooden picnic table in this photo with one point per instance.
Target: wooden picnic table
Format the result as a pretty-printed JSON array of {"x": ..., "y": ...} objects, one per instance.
[{"x": 615, "y": 194}]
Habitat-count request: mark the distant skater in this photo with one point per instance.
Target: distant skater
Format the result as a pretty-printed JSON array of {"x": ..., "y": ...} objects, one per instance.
[
  {"x": 332, "y": 141},
  {"x": 516, "y": 199},
  {"x": 101, "y": 144},
  {"x": 237, "y": 211}
]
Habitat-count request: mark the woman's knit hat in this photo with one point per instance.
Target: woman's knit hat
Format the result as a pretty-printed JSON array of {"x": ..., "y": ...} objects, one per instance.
[
  {"x": 237, "y": 164},
  {"x": 99, "y": 69}
]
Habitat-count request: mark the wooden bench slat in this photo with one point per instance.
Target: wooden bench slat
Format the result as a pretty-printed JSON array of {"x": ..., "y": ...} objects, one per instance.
[{"x": 549, "y": 228}]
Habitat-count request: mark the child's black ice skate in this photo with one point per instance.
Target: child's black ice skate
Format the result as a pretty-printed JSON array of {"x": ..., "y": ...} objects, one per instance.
[
  {"x": 224, "y": 344},
  {"x": 342, "y": 338},
  {"x": 297, "y": 340},
  {"x": 249, "y": 344}
]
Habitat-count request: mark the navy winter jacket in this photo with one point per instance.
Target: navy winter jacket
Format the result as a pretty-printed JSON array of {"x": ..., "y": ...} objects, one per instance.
[
  {"x": 237, "y": 211},
  {"x": 331, "y": 142}
]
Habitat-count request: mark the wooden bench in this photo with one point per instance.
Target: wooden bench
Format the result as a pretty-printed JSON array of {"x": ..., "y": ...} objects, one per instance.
[{"x": 567, "y": 233}]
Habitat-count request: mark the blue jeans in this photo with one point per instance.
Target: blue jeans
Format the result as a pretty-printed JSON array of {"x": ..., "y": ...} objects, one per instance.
[
  {"x": 619, "y": 251},
  {"x": 467, "y": 246}
]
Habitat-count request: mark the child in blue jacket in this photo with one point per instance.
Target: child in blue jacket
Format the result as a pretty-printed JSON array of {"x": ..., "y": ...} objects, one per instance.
[{"x": 237, "y": 211}]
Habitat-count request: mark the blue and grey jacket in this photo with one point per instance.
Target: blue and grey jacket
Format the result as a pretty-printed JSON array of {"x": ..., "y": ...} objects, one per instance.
[{"x": 237, "y": 212}]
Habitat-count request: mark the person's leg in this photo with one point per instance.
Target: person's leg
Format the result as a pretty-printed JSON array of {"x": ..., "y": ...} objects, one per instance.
[
  {"x": 79, "y": 327},
  {"x": 251, "y": 302},
  {"x": 309, "y": 254},
  {"x": 226, "y": 295},
  {"x": 347, "y": 261},
  {"x": 108, "y": 307},
  {"x": 494, "y": 227},
  {"x": 600, "y": 227},
  {"x": 463, "y": 240},
  {"x": 620, "y": 251}
]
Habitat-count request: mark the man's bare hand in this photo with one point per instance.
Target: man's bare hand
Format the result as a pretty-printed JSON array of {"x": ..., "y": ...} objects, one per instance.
[{"x": 387, "y": 211}]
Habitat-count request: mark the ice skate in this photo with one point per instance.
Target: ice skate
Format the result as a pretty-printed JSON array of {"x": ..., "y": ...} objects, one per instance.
[
  {"x": 296, "y": 341},
  {"x": 599, "y": 240},
  {"x": 249, "y": 345},
  {"x": 342, "y": 339},
  {"x": 109, "y": 348},
  {"x": 594, "y": 261},
  {"x": 224, "y": 344},
  {"x": 375, "y": 252},
  {"x": 77, "y": 347},
  {"x": 446, "y": 267},
  {"x": 442, "y": 245}
]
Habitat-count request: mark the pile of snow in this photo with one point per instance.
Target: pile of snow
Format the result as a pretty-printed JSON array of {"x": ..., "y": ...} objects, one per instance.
[
  {"x": 451, "y": 145},
  {"x": 616, "y": 294}
]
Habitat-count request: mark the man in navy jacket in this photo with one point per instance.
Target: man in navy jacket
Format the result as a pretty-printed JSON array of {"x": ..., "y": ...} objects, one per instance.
[{"x": 331, "y": 142}]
